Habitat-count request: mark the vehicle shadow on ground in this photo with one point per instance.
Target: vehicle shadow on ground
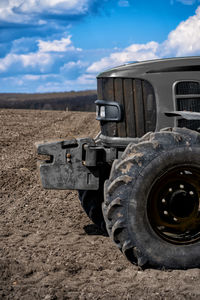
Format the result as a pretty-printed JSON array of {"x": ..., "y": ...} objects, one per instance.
[{"x": 92, "y": 229}]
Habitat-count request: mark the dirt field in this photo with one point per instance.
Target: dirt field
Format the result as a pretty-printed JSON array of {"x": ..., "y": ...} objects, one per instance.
[{"x": 48, "y": 247}]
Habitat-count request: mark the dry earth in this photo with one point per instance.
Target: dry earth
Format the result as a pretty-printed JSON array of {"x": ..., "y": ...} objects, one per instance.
[{"x": 48, "y": 247}]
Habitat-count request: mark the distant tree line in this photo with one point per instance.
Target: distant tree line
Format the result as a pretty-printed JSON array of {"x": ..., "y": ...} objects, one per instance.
[{"x": 72, "y": 101}]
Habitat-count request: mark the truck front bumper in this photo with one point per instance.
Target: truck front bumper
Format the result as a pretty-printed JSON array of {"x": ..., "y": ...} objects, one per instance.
[{"x": 72, "y": 165}]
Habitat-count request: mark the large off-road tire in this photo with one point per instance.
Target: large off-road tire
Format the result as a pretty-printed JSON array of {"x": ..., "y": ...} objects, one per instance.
[
  {"x": 152, "y": 207},
  {"x": 91, "y": 202}
]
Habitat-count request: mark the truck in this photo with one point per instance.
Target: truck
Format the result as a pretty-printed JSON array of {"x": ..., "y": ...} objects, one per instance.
[{"x": 139, "y": 179}]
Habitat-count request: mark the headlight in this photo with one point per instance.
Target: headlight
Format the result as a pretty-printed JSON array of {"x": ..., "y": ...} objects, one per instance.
[
  {"x": 108, "y": 111},
  {"x": 102, "y": 111}
]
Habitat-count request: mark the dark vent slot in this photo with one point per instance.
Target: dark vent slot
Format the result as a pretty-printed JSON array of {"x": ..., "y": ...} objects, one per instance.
[
  {"x": 129, "y": 107},
  {"x": 119, "y": 97},
  {"x": 176, "y": 69},
  {"x": 194, "y": 125},
  {"x": 187, "y": 87},
  {"x": 189, "y": 104},
  {"x": 149, "y": 106},
  {"x": 139, "y": 107}
]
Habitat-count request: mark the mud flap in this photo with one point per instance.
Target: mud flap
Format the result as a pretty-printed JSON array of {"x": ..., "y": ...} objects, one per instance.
[{"x": 66, "y": 168}]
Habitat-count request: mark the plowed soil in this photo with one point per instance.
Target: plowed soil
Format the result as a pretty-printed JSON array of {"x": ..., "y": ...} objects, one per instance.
[{"x": 49, "y": 249}]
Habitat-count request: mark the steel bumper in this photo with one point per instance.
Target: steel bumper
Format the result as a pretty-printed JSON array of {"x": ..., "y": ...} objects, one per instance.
[{"x": 67, "y": 166}]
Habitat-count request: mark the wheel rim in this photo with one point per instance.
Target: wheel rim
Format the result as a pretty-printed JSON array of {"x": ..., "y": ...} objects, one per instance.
[{"x": 173, "y": 205}]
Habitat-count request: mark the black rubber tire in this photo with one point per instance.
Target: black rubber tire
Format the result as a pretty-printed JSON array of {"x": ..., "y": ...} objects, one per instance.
[
  {"x": 91, "y": 201},
  {"x": 126, "y": 194}
]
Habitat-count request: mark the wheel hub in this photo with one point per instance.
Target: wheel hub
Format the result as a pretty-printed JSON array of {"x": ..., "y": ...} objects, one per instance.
[
  {"x": 182, "y": 203},
  {"x": 174, "y": 206}
]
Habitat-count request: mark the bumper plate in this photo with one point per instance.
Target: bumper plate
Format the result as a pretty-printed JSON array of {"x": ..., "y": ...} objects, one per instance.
[{"x": 66, "y": 169}]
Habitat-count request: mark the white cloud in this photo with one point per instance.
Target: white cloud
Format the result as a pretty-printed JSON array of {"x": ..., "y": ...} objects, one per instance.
[
  {"x": 62, "y": 57},
  {"x": 63, "y": 45},
  {"x": 34, "y": 60},
  {"x": 187, "y": 2},
  {"x": 42, "y": 60},
  {"x": 32, "y": 77},
  {"x": 83, "y": 82},
  {"x": 42, "y": 22},
  {"x": 183, "y": 41},
  {"x": 8, "y": 14},
  {"x": 135, "y": 52},
  {"x": 124, "y": 3},
  {"x": 87, "y": 80},
  {"x": 55, "y": 6},
  {"x": 7, "y": 61},
  {"x": 21, "y": 11},
  {"x": 73, "y": 65}
]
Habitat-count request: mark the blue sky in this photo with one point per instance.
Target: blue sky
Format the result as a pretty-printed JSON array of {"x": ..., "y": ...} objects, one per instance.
[{"x": 61, "y": 45}]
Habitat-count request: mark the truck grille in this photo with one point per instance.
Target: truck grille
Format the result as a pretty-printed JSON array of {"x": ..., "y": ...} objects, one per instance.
[
  {"x": 137, "y": 100},
  {"x": 187, "y": 88},
  {"x": 188, "y": 98}
]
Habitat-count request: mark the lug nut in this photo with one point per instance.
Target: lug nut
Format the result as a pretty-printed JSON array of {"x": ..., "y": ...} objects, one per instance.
[
  {"x": 163, "y": 200},
  {"x": 170, "y": 189},
  {"x": 165, "y": 212},
  {"x": 191, "y": 192},
  {"x": 181, "y": 186},
  {"x": 161, "y": 228}
]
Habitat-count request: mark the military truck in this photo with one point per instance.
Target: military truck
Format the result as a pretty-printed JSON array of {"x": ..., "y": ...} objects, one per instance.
[{"x": 139, "y": 179}]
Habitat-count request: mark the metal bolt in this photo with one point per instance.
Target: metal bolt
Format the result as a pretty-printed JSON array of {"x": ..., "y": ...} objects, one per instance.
[
  {"x": 175, "y": 219},
  {"x": 170, "y": 189},
  {"x": 191, "y": 192},
  {"x": 181, "y": 186},
  {"x": 68, "y": 155},
  {"x": 165, "y": 212},
  {"x": 161, "y": 228},
  {"x": 163, "y": 200}
]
